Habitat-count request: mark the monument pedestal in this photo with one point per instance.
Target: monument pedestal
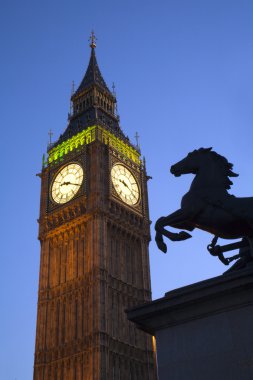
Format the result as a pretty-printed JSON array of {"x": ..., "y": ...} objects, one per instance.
[{"x": 203, "y": 331}]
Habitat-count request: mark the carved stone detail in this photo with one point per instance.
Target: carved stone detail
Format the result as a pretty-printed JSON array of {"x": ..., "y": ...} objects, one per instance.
[{"x": 93, "y": 266}]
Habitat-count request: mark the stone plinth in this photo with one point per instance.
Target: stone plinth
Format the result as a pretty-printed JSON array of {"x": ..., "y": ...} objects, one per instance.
[{"x": 203, "y": 331}]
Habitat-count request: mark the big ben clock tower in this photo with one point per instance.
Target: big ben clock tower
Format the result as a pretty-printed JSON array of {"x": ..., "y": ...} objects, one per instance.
[{"x": 94, "y": 234}]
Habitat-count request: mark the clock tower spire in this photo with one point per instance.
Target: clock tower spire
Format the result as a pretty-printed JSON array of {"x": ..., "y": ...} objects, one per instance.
[
  {"x": 94, "y": 235},
  {"x": 92, "y": 102}
]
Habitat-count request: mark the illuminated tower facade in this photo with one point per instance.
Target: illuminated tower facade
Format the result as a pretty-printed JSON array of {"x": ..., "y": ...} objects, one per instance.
[{"x": 94, "y": 234}]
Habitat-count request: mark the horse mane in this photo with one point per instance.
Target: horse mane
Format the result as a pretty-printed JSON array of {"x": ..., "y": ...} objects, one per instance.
[{"x": 225, "y": 166}]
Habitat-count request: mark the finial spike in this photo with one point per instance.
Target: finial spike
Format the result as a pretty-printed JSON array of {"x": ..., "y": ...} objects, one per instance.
[
  {"x": 113, "y": 89},
  {"x": 44, "y": 162},
  {"x": 114, "y": 94},
  {"x": 50, "y": 134},
  {"x": 137, "y": 139},
  {"x": 73, "y": 88},
  {"x": 93, "y": 40},
  {"x": 71, "y": 103}
]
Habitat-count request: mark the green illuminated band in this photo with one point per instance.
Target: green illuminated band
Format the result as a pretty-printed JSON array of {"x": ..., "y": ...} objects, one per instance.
[{"x": 89, "y": 135}]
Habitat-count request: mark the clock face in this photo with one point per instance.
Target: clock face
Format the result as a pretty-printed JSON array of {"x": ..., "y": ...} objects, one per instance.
[
  {"x": 66, "y": 183},
  {"x": 125, "y": 184}
]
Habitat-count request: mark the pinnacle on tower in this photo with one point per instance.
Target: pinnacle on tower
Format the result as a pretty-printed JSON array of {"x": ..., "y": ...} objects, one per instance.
[
  {"x": 92, "y": 103},
  {"x": 93, "y": 40},
  {"x": 93, "y": 75}
]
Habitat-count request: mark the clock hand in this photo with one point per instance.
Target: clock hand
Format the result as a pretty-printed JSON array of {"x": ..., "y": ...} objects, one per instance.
[
  {"x": 70, "y": 183},
  {"x": 124, "y": 183}
]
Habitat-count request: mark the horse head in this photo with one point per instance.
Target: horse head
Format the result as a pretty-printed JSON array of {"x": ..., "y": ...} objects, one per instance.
[
  {"x": 189, "y": 164},
  {"x": 215, "y": 167}
]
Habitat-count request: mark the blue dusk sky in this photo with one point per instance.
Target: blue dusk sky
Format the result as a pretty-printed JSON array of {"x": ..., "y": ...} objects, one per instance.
[{"x": 183, "y": 71}]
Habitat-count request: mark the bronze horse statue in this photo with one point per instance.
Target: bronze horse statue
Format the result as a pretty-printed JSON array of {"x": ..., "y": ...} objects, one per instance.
[{"x": 209, "y": 207}]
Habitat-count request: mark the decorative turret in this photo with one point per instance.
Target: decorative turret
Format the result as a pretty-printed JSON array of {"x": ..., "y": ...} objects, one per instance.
[{"x": 93, "y": 103}]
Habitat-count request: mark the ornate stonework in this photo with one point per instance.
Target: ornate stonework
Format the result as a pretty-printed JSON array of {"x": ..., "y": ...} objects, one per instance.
[
  {"x": 94, "y": 265},
  {"x": 124, "y": 150}
]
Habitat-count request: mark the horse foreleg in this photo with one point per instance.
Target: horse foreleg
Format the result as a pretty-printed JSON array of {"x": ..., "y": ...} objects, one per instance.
[
  {"x": 178, "y": 219},
  {"x": 182, "y": 235},
  {"x": 160, "y": 243}
]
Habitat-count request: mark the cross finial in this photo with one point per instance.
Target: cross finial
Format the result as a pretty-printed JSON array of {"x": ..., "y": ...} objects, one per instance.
[
  {"x": 50, "y": 134},
  {"x": 137, "y": 139},
  {"x": 93, "y": 40}
]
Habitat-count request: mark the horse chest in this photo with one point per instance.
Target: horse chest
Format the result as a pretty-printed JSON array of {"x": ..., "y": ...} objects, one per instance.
[{"x": 192, "y": 201}]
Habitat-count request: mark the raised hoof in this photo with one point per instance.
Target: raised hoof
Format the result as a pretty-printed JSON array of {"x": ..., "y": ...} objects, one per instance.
[
  {"x": 184, "y": 235},
  {"x": 162, "y": 246},
  {"x": 241, "y": 263}
]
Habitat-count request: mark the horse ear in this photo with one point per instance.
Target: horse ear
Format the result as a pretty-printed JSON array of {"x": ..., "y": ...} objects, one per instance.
[{"x": 205, "y": 149}]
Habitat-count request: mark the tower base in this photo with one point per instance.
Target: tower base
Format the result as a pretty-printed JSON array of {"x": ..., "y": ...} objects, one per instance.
[{"x": 203, "y": 331}]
